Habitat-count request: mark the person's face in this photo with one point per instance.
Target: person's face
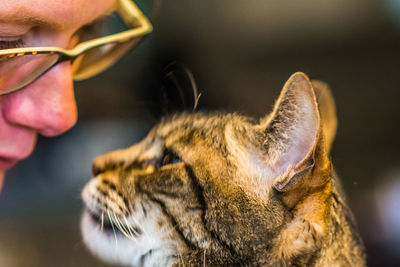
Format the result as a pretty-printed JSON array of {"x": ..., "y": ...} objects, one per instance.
[{"x": 47, "y": 106}]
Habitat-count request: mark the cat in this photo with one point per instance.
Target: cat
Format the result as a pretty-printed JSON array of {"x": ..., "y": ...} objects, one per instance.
[{"x": 227, "y": 190}]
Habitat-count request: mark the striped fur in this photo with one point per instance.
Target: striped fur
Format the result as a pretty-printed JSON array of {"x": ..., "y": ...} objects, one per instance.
[{"x": 226, "y": 190}]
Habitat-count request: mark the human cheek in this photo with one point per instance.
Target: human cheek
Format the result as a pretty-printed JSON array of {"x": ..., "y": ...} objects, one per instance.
[{"x": 16, "y": 143}]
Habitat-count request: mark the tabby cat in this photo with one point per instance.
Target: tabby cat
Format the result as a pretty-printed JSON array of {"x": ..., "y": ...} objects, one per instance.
[{"x": 227, "y": 190}]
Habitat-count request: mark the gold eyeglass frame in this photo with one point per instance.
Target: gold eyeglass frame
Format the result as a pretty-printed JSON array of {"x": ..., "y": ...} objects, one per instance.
[{"x": 131, "y": 15}]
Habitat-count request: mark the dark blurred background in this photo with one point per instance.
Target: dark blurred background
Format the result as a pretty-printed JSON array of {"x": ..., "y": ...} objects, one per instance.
[{"x": 240, "y": 53}]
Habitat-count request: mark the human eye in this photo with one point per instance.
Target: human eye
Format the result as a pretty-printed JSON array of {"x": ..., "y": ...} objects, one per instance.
[
  {"x": 91, "y": 30},
  {"x": 85, "y": 33},
  {"x": 106, "y": 24},
  {"x": 7, "y": 43}
]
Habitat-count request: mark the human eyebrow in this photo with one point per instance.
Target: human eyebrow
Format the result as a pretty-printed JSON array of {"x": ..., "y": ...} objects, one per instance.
[
  {"x": 40, "y": 21},
  {"x": 31, "y": 21}
]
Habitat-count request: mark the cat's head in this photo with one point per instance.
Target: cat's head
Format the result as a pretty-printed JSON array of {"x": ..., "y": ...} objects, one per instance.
[{"x": 218, "y": 189}]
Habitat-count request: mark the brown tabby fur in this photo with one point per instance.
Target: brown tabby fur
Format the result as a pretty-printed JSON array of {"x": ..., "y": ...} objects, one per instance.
[{"x": 245, "y": 193}]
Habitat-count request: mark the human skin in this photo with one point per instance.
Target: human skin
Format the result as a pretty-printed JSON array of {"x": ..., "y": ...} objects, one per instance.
[{"x": 46, "y": 106}]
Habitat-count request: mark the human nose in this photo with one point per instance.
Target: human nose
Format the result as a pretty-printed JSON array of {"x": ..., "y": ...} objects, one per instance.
[{"x": 47, "y": 105}]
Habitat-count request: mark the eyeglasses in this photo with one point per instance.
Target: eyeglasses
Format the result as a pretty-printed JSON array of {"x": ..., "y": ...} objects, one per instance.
[{"x": 22, "y": 66}]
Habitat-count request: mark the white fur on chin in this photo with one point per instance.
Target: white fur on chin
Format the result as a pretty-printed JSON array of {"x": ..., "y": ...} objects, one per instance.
[{"x": 121, "y": 250}]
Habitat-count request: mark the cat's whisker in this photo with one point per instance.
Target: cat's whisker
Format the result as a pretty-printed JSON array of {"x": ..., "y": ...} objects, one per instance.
[
  {"x": 102, "y": 222},
  {"x": 121, "y": 227},
  {"x": 117, "y": 222},
  {"x": 126, "y": 230},
  {"x": 130, "y": 227},
  {"x": 113, "y": 228},
  {"x": 138, "y": 224}
]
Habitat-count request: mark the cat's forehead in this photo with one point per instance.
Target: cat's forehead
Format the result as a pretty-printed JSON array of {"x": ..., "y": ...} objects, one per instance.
[{"x": 184, "y": 124}]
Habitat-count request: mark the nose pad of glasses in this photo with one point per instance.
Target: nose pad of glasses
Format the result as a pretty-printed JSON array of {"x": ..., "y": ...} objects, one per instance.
[{"x": 76, "y": 63}]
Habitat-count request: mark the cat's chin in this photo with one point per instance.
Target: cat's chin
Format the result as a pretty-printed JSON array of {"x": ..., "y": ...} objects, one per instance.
[{"x": 116, "y": 248}]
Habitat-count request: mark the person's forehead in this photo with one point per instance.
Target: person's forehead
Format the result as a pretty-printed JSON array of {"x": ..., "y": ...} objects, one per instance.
[{"x": 58, "y": 14}]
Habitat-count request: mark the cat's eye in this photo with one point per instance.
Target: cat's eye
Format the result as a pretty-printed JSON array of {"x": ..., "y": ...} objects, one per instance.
[{"x": 169, "y": 157}]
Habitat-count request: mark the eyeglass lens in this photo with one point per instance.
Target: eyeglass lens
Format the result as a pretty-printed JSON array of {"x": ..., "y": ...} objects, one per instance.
[{"x": 18, "y": 71}]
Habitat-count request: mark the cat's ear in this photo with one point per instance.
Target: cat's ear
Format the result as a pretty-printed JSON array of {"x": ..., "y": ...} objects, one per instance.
[
  {"x": 327, "y": 111},
  {"x": 291, "y": 132}
]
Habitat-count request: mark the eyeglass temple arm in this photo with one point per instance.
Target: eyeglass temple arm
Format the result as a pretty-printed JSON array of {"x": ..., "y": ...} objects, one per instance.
[{"x": 133, "y": 16}]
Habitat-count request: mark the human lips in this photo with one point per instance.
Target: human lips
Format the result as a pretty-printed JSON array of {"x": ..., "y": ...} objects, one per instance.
[
  {"x": 6, "y": 163},
  {"x": 10, "y": 156}
]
